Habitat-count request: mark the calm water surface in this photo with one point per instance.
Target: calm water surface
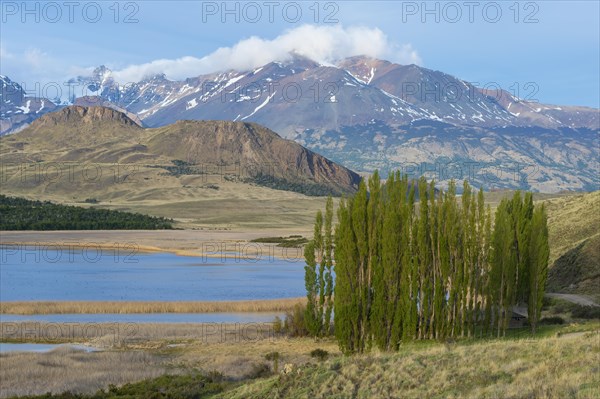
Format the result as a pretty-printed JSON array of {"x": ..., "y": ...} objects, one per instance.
[
  {"x": 26, "y": 347},
  {"x": 42, "y": 273}
]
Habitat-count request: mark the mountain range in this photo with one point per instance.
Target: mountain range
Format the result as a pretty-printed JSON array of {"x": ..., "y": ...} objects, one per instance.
[
  {"x": 17, "y": 109},
  {"x": 371, "y": 114}
]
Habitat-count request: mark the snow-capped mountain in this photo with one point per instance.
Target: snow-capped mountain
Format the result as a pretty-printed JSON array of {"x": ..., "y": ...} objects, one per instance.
[
  {"x": 17, "y": 109},
  {"x": 354, "y": 91},
  {"x": 367, "y": 113}
]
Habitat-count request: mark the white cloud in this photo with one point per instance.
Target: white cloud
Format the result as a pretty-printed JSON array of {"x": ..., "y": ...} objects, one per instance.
[
  {"x": 323, "y": 44},
  {"x": 35, "y": 58}
]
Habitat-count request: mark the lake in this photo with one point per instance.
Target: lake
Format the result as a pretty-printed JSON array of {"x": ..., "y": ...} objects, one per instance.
[
  {"x": 93, "y": 274},
  {"x": 27, "y": 347}
]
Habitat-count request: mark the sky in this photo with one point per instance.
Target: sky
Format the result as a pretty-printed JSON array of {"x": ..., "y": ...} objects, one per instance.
[{"x": 547, "y": 51}]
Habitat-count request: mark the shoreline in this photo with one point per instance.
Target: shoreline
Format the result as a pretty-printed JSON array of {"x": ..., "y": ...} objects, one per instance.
[{"x": 190, "y": 243}]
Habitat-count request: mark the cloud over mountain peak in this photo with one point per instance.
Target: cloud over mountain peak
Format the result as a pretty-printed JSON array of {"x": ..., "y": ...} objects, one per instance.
[{"x": 324, "y": 44}]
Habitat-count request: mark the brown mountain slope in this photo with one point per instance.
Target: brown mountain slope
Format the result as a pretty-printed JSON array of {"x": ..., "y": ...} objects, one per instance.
[
  {"x": 97, "y": 101},
  {"x": 80, "y": 153},
  {"x": 250, "y": 149}
]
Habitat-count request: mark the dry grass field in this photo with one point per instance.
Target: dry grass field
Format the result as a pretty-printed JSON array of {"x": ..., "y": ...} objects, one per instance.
[
  {"x": 191, "y": 201},
  {"x": 561, "y": 362}
]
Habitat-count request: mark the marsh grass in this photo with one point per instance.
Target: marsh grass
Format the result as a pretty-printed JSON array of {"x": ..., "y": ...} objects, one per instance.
[
  {"x": 136, "y": 335},
  {"x": 97, "y": 307},
  {"x": 68, "y": 369}
]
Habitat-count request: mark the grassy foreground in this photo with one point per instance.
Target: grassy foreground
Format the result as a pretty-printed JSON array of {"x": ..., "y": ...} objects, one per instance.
[
  {"x": 565, "y": 367},
  {"x": 560, "y": 362}
]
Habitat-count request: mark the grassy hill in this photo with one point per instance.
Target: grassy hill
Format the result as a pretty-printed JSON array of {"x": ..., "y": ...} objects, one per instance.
[
  {"x": 572, "y": 220},
  {"x": 201, "y": 173},
  {"x": 574, "y": 234},
  {"x": 578, "y": 270},
  {"x": 547, "y": 368}
]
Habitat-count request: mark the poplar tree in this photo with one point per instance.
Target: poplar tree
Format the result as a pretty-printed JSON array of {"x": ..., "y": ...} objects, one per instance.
[
  {"x": 424, "y": 258},
  {"x": 386, "y": 277},
  {"x": 538, "y": 270},
  {"x": 346, "y": 304},
  {"x": 328, "y": 261},
  {"x": 313, "y": 256},
  {"x": 430, "y": 270},
  {"x": 502, "y": 262},
  {"x": 361, "y": 233},
  {"x": 408, "y": 274},
  {"x": 374, "y": 225}
]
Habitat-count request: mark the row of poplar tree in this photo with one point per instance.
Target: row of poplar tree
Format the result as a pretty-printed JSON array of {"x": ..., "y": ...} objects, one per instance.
[{"x": 408, "y": 261}]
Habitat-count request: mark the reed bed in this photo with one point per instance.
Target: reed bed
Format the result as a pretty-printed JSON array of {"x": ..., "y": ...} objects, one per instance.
[
  {"x": 116, "y": 307},
  {"x": 136, "y": 335},
  {"x": 66, "y": 369}
]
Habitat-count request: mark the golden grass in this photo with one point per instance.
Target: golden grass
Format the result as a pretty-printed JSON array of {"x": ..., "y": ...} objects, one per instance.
[
  {"x": 236, "y": 360},
  {"x": 137, "y": 336},
  {"x": 97, "y": 307},
  {"x": 571, "y": 220},
  {"x": 549, "y": 368}
]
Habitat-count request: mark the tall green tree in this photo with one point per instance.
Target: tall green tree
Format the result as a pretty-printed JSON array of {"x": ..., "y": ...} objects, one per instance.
[
  {"x": 328, "y": 262},
  {"x": 313, "y": 280},
  {"x": 346, "y": 288},
  {"x": 428, "y": 268},
  {"x": 318, "y": 276},
  {"x": 386, "y": 276},
  {"x": 538, "y": 270}
]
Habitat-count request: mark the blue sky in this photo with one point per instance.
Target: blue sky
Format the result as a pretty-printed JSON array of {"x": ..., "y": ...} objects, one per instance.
[{"x": 554, "y": 44}]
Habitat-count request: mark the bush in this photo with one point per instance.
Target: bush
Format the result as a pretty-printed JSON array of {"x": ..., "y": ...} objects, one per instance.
[
  {"x": 551, "y": 320},
  {"x": 215, "y": 376},
  {"x": 319, "y": 353},
  {"x": 585, "y": 312},
  {"x": 562, "y": 307},
  {"x": 278, "y": 326},
  {"x": 259, "y": 371},
  {"x": 274, "y": 357},
  {"x": 547, "y": 302},
  {"x": 294, "y": 324},
  {"x": 163, "y": 387}
]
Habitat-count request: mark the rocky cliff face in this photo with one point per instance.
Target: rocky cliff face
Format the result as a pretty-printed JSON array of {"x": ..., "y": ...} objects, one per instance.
[{"x": 86, "y": 115}]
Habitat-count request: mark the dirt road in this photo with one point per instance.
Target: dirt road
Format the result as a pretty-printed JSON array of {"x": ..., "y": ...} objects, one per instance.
[{"x": 578, "y": 299}]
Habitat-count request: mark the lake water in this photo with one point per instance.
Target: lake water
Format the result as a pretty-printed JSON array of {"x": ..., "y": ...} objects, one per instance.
[
  {"x": 26, "y": 347},
  {"x": 74, "y": 274}
]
